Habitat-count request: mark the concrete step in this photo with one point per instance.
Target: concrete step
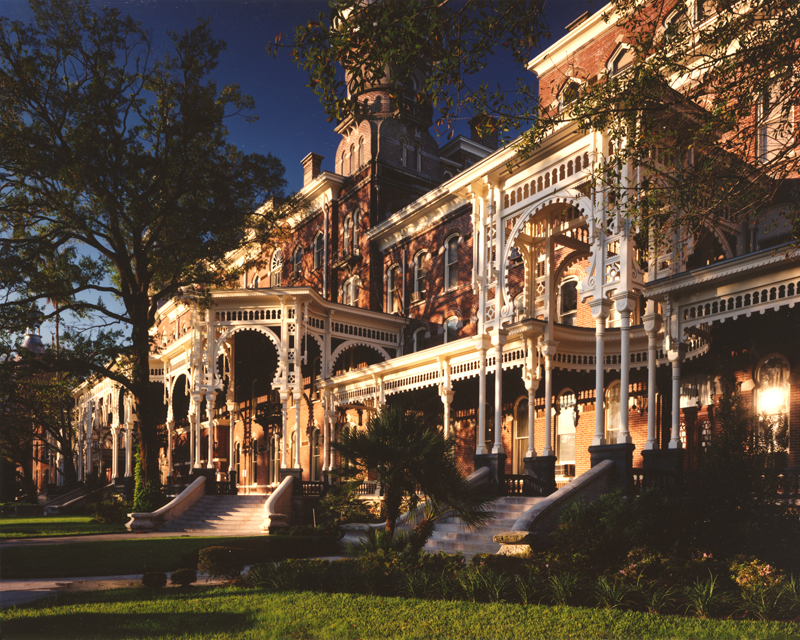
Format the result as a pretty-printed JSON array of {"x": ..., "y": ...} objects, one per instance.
[{"x": 221, "y": 515}]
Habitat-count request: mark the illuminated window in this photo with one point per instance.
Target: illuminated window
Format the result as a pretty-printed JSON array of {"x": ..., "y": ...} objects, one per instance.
[
  {"x": 394, "y": 293},
  {"x": 566, "y": 423},
  {"x": 420, "y": 276},
  {"x": 520, "y": 436},
  {"x": 451, "y": 262},
  {"x": 772, "y": 396},
  {"x": 612, "y": 412}
]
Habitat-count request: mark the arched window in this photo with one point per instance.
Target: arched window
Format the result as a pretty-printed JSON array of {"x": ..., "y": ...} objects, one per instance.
[
  {"x": 316, "y": 455},
  {"x": 448, "y": 175},
  {"x": 569, "y": 94},
  {"x": 297, "y": 262},
  {"x": 352, "y": 159},
  {"x": 420, "y": 276},
  {"x": 356, "y": 229},
  {"x": 772, "y": 396},
  {"x": 344, "y": 163},
  {"x": 347, "y": 236},
  {"x": 621, "y": 59},
  {"x": 451, "y": 329},
  {"x": 418, "y": 340},
  {"x": 319, "y": 250},
  {"x": 350, "y": 291},
  {"x": 275, "y": 460},
  {"x": 451, "y": 262},
  {"x": 418, "y": 158},
  {"x": 612, "y": 410},
  {"x": 773, "y": 128},
  {"x": 361, "y": 152},
  {"x": 275, "y": 268},
  {"x": 394, "y": 292},
  {"x": 520, "y": 435},
  {"x": 568, "y": 301},
  {"x": 566, "y": 423},
  {"x": 256, "y": 281}
]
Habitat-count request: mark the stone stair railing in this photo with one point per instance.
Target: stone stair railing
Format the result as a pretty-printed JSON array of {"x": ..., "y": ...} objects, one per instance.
[
  {"x": 143, "y": 521},
  {"x": 542, "y": 518},
  {"x": 277, "y": 512}
]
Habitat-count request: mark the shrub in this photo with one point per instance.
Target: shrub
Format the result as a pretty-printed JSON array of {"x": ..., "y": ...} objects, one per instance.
[
  {"x": 342, "y": 504},
  {"x": 221, "y": 562},
  {"x": 563, "y": 588},
  {"x": 184, "y": 577},
  {"x": 611, "y": 594},
  {"x": 114, "y": 511},
  {"x": 154, "y": 579}
]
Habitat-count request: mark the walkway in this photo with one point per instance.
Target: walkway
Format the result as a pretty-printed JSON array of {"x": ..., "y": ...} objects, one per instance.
[{"x": 17, "y": 592}]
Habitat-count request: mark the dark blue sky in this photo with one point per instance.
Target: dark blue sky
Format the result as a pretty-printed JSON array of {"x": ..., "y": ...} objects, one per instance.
[{"x": 291, "y": 121}]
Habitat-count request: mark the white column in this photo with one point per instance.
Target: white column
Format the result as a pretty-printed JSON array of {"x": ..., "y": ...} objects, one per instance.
[
  {"x": 482, "y": 342},
  {"x": 326, "y": 429},
  {"x": 284, "y": 426},
  {"x": 297, "y": 398},
  {"x": 114, "y": 451},
  {"x": 231, "y": 405},
  {"x": 625, "y": 304},
  {"x": 129, "y": 448},
  {"x": 170, "y": 434},
  {"x": 89, "y": 434},
  {"x": 676, "y": 355},
  {"x": 498, "y": 340},
  {"x": 446, "y": 394},
  {"x": 600, "y": 308},
  {"x": 210, "y": 413},
  {"x": 652, "y": 323},
  {"x": 194, "y": 428},
  {"x": 530, "y": 377},
  {"x": 548, "y": 351}
]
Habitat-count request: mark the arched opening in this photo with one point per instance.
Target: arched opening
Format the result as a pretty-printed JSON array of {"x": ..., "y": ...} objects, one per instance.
[{"x": 520, "y": 435}]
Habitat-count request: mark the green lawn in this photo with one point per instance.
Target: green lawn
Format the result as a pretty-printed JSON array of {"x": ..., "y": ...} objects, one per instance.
[
  {"x": 46, "y": 526},
  {"x": 123, "y": 557},
  {"x": 203, "y": 612}
]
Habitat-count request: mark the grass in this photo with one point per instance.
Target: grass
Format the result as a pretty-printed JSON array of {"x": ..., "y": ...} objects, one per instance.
[
  {"x": 51, "y": 526},
  {"x": 124, "y": 557},
  {"x": 205, "y": 612}
]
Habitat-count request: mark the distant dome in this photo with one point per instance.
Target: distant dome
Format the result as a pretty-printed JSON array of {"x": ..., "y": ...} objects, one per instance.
[{"x": 33, "y": 342}]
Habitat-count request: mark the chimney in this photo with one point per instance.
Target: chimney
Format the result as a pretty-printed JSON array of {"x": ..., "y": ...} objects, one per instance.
[
  {"x": 311, "y": 166},
  {"x": 481, "y": 134}
]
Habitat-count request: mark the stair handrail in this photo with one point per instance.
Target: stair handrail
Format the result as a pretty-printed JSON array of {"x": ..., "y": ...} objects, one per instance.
[
  {"x": 542, "y": 518},
  {"x": 149, "y": 521},
  {"x": 277, "y": 512}
]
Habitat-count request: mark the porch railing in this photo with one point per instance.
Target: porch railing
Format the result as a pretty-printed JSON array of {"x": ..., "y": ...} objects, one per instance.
[
  {"x": 313, "y": 488},
  {"x": 523, "y": 485}
]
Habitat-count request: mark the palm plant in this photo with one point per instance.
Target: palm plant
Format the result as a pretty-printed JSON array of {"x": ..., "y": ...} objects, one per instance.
[{"x": 410, "y": 457}]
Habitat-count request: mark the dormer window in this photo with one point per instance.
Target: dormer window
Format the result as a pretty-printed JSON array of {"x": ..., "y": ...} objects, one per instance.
[
  {"x": 569, "y": 94},
  {"x": 620, "y": 60}
]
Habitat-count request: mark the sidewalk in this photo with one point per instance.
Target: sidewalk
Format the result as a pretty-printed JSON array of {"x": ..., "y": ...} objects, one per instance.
[
  {"x": 10, "y": 543},
  {"x": 16, "y": 592}
]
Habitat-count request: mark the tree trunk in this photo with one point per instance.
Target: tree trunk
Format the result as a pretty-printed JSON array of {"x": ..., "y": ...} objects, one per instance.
[
  {"x": 393, "y": 500},
  {"x": 146, "y": 426}
]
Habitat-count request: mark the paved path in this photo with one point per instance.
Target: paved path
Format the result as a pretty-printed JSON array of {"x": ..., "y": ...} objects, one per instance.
[{"x": 17, "y": 592}]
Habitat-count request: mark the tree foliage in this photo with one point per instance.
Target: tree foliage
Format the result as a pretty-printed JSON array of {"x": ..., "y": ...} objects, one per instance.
[
  {"x": 700, "y": 126},
  {"x": 409, "y": 459},
  {"x": 118, "y": 188}
]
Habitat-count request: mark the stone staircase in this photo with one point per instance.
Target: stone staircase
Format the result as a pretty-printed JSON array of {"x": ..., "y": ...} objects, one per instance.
[
  {"x": 221, "y": 516},
  {"x": 450, "y": 535}
]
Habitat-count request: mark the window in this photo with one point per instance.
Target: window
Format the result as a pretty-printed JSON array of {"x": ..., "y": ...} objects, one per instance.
[
  {"x": 394, "y": 292},
  {"x": 275, "y": 268},
  {"x": 566, "y": 423},
  {"x": 568, "y": 302},
  {"x": 569, "y": 94},
  {"x": 316, "y": 455},
  {"x": 275, "y": 459},
  {"x": 451, "y": 262},
  {"x": 621, "y": 60},
  {"x": 451, "y": 329},
  {"x": 418, "y": 158},
  {"x": 297, "y": 262},
  {"x": 352, "y": 159},
  {"x": 612, "y": 410},
  {"x": 420, "y": 276},
  {"x": 356, "y": 225},
  {"x": 520, "y": 436},
  {"x": 350, "y": 291},
  {"x": 347, "y": 235},
  {"x": 319, "y": 250},
  {"x": 256, "y": 281},
  {"x": 292, "y": 449},
  {"x": 361, "y": 152},
  {"x": 418, "y": 340},
  {"x": 772, "y": 396},
  {"x": 773, "y": 125}
]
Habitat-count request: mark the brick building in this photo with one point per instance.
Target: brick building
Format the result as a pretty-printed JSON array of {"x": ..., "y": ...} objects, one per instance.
[{"x": 493, "y": 300}]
